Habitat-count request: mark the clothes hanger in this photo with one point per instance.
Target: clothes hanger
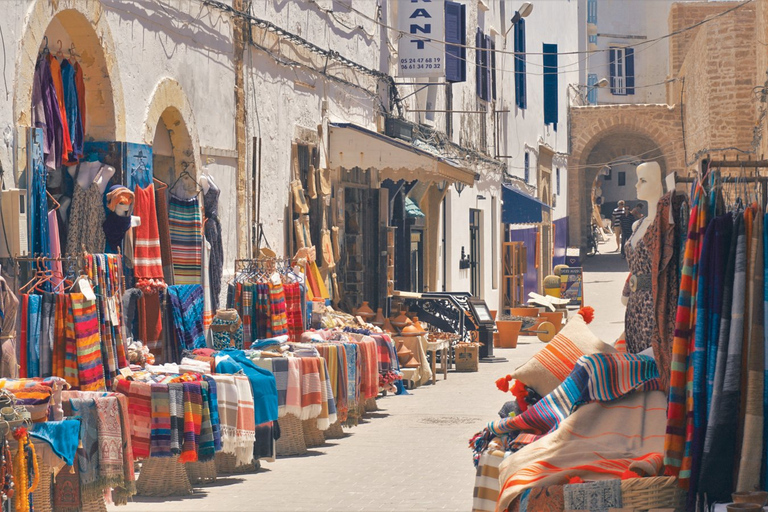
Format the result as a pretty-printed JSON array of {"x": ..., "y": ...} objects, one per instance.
[
  {"x": 185, "y": 174},
  {"x": 56, "y": 204},
  {"x": 59, "y": 53},
  {"x": 161, "y": 185}
]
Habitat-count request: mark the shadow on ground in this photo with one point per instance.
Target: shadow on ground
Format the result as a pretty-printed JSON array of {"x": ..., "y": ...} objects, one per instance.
[{"x": 605, "y": 261}]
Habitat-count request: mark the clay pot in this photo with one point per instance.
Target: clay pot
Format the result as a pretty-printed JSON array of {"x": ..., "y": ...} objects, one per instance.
[
  {"x": 404, "y": 355},
  {"x": 413, "y": 363},
  {"x": 556, "y": 318},
  {"x": 496, "y": 343},
  {"x": 411, "y": 330},
  {"x": 388, "y": 327},
  {"x": 379, "y": 320},
  {"x": 400, "y": 321},
  {"x": 744, "y": 507},
  {"x": 417, "y": 324},
  {"x": 524, "y": 311},
  {"x": 758, "y": 497},
  {"x": 365, "y": 311},
  {"x": 509, "y": 330},
  {"x": 493, "y": 313}
]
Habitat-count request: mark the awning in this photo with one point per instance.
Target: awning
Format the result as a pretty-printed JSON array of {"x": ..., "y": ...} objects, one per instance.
[
  {"x": 412, "y": 210},
  {"x": 353, "y": 146},
  {"x": 520, "y": 208}
]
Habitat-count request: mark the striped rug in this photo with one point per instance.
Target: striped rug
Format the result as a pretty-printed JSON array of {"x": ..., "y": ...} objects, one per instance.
[
  {"x": 186, "y": 229},
  {"x": 88, "y": 342}
]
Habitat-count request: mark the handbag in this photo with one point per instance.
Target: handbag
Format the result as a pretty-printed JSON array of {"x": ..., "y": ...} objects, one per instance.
[{"x": 227, "y": 329}]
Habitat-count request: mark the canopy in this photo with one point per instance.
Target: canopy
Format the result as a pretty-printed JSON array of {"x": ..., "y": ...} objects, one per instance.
[
  {"x": 520, "y": 208},
  {"x": 353, "y": 146}
]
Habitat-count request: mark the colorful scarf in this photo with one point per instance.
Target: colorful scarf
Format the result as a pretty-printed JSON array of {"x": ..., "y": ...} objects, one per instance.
[
  {"x": 193, "y": 418},
  {"x": 123, "y": 492},
  {"x": 160, "y": 436},
  {"x": 595, "y": 378},
  {"x": 90, "y": 369},
  {"x": 246, "y": 312},
  {"x": 279, "y": 323},
  {"x": 186, "y": 231},
  {"x": 23, "y": 335},
  {"x": 293, "y": 388},
  {"x": 677, "y": 448},
  {"x": 213, "y": 408},
  {"x": 33, "y": 336},
  {"x": 187, "y": 309},
  {"x": 311, "y": 388},
  {"x": 207, "y": 447},
  {"x": 147, "y": 261},
  {"x": 70, "y": 346},
  {"x": 227, "y": 411},
  {"x": 246, "y": 426},
  {"x": 110, "y": 442},
  {"x": 293, "y": 310},
  {"x": 59, "y": 336},
  {"x": 88, "y": 454},
  {"x": 262, "y": 315},
  {"x": 47, "y": 326},
  {"x": 164, "y": 234},
  {"x": 140, "y": 408},
  {"x": 176, "y": 396}
]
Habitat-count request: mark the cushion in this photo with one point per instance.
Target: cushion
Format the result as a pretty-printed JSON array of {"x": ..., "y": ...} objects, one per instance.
[{"x": 551, "y": 365}]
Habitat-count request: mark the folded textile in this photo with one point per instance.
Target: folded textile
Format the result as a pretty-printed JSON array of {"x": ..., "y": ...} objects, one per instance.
[
  {"x": 160, "y": 435},
  {"x": 88, "y": 455},
  {"x": 311, "y": 388},
  {"x": 31, "y": 394},
  {"x": 293, "y": 390},
  {"x": 176, "y": 396},
  {"x": 62, "y": 436},
  {"x": 246, "y": 427},
  {"x": 279, "y": 368},
  {"x": 121, "y": 493},
  {"x": 593, "y": 496},
  {"x": 328, "y": 405},
  {"x": 213, "y": 407},
  {"x": 598, "y": 441},
  {"x": 206, "y": 449},
  {"x": 263, "y": 387},
  {"x": 140, "y": 408},
  {"x": 193, "y": 418},
  {"x": 110, "y": 442},
  {"x": 227, "y": 409}
]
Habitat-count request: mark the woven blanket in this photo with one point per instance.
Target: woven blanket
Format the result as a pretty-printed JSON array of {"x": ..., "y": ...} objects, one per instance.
[
  {"x": 385, "y": 351},
  {"x": 147, "y": 260},
  {"x": 193, "y": 419},
  {"x": 539, "y": 499},
  {"x": 88, "y": 454},
  {"x": 593, "y": 496},
  {"x": 598, "y": 441},
  {"x": 293, "y": 310},
  {"x": 164, "y": 235},
  {"x": 122, "y": 493},
  {"x": 34, "y": 307},
  {"x": 66, "y": 490},
  {"x": 246, "y": 426},
  {"x": 328, "y": 405},
  {"x": 186, "y": 230},
  {"x": 206, "y": 449},
  {"x": 342, "y": 386},
  {"x": 110, "y": 442},
  {"x": 279, "y": 368},
  {"x": 160, "y": 435},
  {"x": 227, "y": 408},
  {"x": 311, "y": 388},
  {"x": 70, "y": 359},
  {"x": 140, "y": 409},
  {"x": 353, "y": 381},
  {"x": 90, "y": 370},
  {"x": 370, "y": 367},
  {"x": 31, "y": 394},
  {"x": 244, "y": 306},
  {"x": 263, "y": 387},
  {"x": 486, "y": 491},
  {"x": 262, "y": 316},
  {"x": 595, "y": 378},
  {"x": 213, "y": 408},
  {"x": 176, "y": 397},
  {"x": 187, "y": 309},
  {"x": 62, "y": 436},
  {"x": 278, "y": 310},
  {"x": 293, "y": 390}
]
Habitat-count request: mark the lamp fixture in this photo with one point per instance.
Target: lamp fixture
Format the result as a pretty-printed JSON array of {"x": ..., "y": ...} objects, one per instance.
[
  {"x": 523, "y": 12},
  {"x": 441, "y": 185},
  {"x": 459, "y": 187}
]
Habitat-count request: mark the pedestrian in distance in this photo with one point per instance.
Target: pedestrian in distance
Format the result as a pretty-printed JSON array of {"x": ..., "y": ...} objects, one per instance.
[{"x": 616, "y": 217}]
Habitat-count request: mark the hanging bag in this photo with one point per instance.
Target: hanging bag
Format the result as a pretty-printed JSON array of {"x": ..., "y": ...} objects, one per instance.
[{"x": 227, "y": 329}]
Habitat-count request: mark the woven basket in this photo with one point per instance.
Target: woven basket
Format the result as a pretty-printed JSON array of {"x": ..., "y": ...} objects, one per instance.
[
  {"x": 652, "y": 492},
  {"x": 96, "y": 505},
  {"x": 371, "y": 405},
  {"x": 291, "y": 440},
  {"x": 313, "y": 436},
  {"x": 201, "y": 472},
  {"x": 334, "y": 431},
  {"x": 226, "y": 464},
  {"x": 163, "y": 476}
]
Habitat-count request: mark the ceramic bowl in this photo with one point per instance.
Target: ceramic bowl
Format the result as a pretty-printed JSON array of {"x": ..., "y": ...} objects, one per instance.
[
  {"x": 744, "y": 507},
  {"x": 759, "y": 497}
]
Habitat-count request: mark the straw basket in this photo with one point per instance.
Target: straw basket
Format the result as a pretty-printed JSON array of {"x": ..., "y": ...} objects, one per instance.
[
  {"x": 291, "y": 440},
  {"x": 226, "y": 464},
  {"x": 652, "y": 492},
  {"x": 313, "y": 436},
  {"x": 163, "y": 476},
  {"x": 370, "y": 405},
  {"x": 95, "y": 505},
  {"x": 334, "y": 431},
  {"x": 201, "y": 472}
]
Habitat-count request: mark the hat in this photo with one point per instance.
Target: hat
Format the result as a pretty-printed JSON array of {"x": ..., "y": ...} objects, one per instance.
[{"x": 118, "y": 195}]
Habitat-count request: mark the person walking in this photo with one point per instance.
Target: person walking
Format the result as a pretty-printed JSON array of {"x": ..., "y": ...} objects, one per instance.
[
  {"x": 626, "y": 221},
  {"x": 618, "y": 212}
]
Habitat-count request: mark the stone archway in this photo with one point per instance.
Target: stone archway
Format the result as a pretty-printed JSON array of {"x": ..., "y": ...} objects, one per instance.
[
  {"x": 170, "y": 108},
  {"x": 603, "y": 134},
  {"x": 85, "y": 24}
]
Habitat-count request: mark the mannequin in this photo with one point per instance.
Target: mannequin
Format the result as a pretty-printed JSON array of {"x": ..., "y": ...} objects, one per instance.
[
  {"x": 87, "y": 172},
  {"x": 86, "y": 216},
  {"x": 649, "y": 188}
]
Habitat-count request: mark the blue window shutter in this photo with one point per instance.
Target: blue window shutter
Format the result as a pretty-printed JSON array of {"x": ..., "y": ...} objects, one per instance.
[
  {"x": 592, "y": 90},
  {"x": 550, "y": 83},
  {"x": 629, "y": 69},
  {"x": 612, "y": 67},
  {"x": 492, "y": 47},
  {"x": 484, "y": 68},
  {"x": 520, "y": 89},
  {"x": 479, "y": 63},
  {"x": 527, "y": 166},
  {"x": 455, "y": 23}
]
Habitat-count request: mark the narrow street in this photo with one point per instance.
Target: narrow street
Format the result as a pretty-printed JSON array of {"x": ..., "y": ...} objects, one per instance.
[{"x": 411, "y": 454}]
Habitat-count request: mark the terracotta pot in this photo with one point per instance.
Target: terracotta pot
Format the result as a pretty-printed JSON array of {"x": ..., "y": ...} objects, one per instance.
[
  {"x": 417, "y": 324},
  {"x": 759, "y": 497},
  {"x": 496, "y": 340},
  {"x": 400, "y": 321},
  {"x": 388, "y": 326},
  {"x": 556, "y": 318},
  {"x": 508, "y": 332},
  {"x": 365, "y": 311},
  {"x": 411, "y": 330},
  {"x": 524, "y": 311},
  {"x": 379, "y": 321}
]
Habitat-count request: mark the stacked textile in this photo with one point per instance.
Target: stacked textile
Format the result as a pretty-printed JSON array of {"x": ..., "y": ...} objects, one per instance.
[{"x": 235, "y": 406}]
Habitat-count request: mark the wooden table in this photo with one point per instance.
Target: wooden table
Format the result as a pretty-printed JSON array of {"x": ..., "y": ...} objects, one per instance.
[{"x": 444, "y": 347}]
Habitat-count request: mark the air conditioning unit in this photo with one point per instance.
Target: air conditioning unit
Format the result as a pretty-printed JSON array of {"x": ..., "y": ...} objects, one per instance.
[
  {"x": 13, "y": 203},
  {"x": 398, "y": 129}
]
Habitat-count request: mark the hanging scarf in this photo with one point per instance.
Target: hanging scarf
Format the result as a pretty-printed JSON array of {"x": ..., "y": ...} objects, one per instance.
[
  {"x": 207, "y": 448},
  {"x": 23, "y": 335},
  {"x": 160, "y": 436},
  {"x": 293, "y": 311},
  {"x": 187, "y": 308},
  {"x": 176, "y": 395},
  {"x": 161, "y": 203},
  {"x": 88, "y": 454},
  {"x": 70, "y": 346},
  {"x": 186, "y": 232},
  {"x": 677, "y": 449},
  {"x": 140, "y": 408},
  {"x": 47, "y": 326},
  {"x": 246, "y": 313},
  {"x": 147, "y": 262},
  {"x": 277, "y": 307},
  {"x": 59, "y": 335},
  {"x": 193, "y": 418},
  {"x": 246, "y": 426},
  {"x": 33, "y": 336},
  {"x": 66, "y": 490},
  {"x": 110, "y": 442},
  {"x": 88, "y": 344},
  {"x": 263, "y": 315},
  {"x": 213, "y": 408}
]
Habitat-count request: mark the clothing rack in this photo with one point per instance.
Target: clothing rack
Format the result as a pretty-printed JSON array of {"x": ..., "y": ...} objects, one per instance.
[{"x": 755, "y": 165}]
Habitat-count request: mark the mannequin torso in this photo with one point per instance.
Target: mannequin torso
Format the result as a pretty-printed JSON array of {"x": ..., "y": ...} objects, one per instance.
[{"x": 87, "y": 172}]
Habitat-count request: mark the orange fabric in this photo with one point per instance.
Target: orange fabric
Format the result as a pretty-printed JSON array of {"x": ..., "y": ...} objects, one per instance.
[{"x": 59, "y": 86}]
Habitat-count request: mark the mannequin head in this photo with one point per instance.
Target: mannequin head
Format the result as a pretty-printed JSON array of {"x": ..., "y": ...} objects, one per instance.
[{"x": 649, "y": 186}]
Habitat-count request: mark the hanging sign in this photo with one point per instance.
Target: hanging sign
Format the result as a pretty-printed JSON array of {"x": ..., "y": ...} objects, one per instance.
[{"x": 421, "y": 50}]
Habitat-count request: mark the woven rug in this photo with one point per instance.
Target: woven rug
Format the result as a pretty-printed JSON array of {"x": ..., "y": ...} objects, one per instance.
[{"x": 186, "y": 231}]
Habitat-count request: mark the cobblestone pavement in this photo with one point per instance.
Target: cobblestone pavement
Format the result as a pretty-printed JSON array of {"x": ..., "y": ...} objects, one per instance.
[{"x": 412, "y": 454}]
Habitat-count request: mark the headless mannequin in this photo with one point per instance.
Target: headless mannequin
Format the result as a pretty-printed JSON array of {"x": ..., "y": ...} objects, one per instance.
[
  {"x": 205, "y": 182},
  {"x": 54, "y": 183},
  {"x": 649, "y": 188},
  {"x": 86, "y": 172}
]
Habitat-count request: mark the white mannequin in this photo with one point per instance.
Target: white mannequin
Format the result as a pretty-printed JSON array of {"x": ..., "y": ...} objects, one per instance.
[
  {"x": 86, "y": 173},
  {"x": 649, "y": 188},
  {"x": 205, "y": 182}
]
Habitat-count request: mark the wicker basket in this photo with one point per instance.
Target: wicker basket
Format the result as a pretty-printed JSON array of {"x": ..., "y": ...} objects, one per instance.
[
  {"x": 95, "y": 505},
  {"x": 226, "y": 464},
  {"x": 291, "y": 440},
  {"x": 652, "y": 492},
  {"x": 163, "y": 476},
  {"x": 313, "y": 436},
  {"x": 201, "y": 472},
  {"x": 371, "y": 405},
  {"x": 334, "y": 431}
]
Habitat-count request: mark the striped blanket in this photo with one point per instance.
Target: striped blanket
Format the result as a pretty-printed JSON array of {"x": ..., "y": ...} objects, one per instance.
[
  {"x": 147, "y": 261},
  {"x": 278, "y": 310},
  {"x": 90, "y": 368},
  {"x": 193, "y": 420},
  {"x": 311, "y": 388},
  {"x": 160, "y": 437},
  {"x": 186, "y": 230},
  {"x": 187, "y": 309},
  {"x": 246, "y": 425},
  {"x": 140, "y": 409},
  {"x": 595, "y": 378}
]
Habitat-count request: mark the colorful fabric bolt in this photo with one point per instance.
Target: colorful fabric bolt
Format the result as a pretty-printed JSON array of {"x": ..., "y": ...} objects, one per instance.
[
  {"x": 187, "y": 309},
  {"x": 160, "y": 436},
  {"x": 147, "y": 260},
  {"x": 277, "y": 307}
]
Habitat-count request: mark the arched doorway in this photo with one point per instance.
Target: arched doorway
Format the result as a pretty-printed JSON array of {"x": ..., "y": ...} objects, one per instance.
[{"x": 172, "y": 148}]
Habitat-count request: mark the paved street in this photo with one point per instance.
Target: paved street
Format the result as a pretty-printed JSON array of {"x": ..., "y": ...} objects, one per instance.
[{"x": 410, "y": 455}]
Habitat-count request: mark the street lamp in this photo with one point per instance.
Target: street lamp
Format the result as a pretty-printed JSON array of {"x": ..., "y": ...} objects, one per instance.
[
  {"x": 525, "y": 10},
  {"x": 584, "y": 90}
]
